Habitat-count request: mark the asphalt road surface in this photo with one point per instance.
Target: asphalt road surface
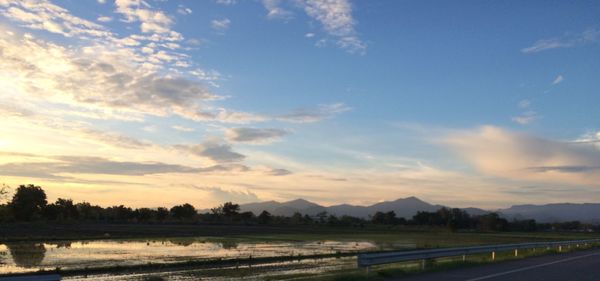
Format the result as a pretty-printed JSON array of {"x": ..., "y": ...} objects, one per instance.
[{"x": 578, "y": 266}]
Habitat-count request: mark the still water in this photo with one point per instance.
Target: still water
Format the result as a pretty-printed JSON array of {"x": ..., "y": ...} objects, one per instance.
[{"x": 31, "y": 256}]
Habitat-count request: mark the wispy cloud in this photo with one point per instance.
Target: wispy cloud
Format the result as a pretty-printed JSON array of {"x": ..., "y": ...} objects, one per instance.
[
  {"x": 276, "y": 11},
  {"x": 519, "y": 156},
  {"x": 524, "y": 104},
  {"x": 88, "y": 165},
  {"x": 183, "y": 128},
  {"x": 104, "y": 19},
  {"x": 589, "y": 36},
  {"x": 229, "y": 195},
  {"x": 43, "y": 15},
  {"x": 254, "y": 135},
  {"x": 226, "y": 2},
  {"x": 214, "y": 150},
  {"x": 558, "y": 80},
  {"x": 106, "y": 80},
  {"x": 314, "y": 115},
  {"x": 220, "y": 24},
  {"x": 183, "y": 10},
  {"x": 337, "y": 20},
  {"x": 526, "y": 117},
  {"x": 151, "y": 21},
  {"x": 335, "y": 17}
]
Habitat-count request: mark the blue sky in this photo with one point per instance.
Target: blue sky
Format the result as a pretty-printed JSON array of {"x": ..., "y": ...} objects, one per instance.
[{"x": 483, "y": 103}]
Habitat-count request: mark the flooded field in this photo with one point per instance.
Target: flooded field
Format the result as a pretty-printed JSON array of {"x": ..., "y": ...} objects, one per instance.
[
  {"x": 271, "y": 271},
  {"x": 259, "y": 257},
  {"x": 68, "y": 255}
]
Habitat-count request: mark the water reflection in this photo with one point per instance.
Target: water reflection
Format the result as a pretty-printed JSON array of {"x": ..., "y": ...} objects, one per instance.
[
  {"x": 66, "y": 245},
  {"x": 106, "y": 253},
  {"x": 183, "y": 241},
  {"x": 27, "y": 255},
  {"x": 229, "y": 245}
]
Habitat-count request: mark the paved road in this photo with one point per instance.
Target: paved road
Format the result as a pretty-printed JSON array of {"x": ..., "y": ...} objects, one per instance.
[{"x": 580, "y": 266}]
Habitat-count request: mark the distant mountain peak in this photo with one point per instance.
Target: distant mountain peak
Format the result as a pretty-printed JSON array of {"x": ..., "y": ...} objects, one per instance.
[
  {"x": 411, "y": 198},
  {"x": 299, "y": 200},
  {"x": 409, "y": 206}
]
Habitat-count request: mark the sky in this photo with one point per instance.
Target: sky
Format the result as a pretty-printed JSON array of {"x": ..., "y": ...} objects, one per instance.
[{"x": 161, "y": 102}]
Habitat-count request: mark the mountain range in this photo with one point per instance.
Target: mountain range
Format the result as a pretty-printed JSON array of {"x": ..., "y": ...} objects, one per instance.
[{"x": 408, "y": 207}]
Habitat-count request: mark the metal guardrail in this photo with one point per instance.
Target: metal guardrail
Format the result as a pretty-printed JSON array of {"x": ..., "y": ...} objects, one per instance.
[{"x": 366, "y": 260}]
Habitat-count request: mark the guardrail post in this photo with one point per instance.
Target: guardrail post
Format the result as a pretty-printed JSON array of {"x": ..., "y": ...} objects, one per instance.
[
  {"x": 516, "y": 252},
  {"x": 559, "y": 248},
  {"x": 464, "y": 257},
  {"x": 423, "y": 262},
  {"x": 493, "y": 256}
]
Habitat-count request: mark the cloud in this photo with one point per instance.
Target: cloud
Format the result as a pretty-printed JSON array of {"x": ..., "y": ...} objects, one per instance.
[
  {"x": 43, "y": 15},
  {"x": 182, "y": 128},
  {"x": 104, "y": 19},
  {"x": 220, "y": 24},
  {"x": 589, "y": 36},
  {"x": 558, "y": 80},
  {"x": 114, "y": 139},
  {"x": 337, "y": 20},
  {"x": 56, "y": 167},
  {"x": 278, "y": 172},
  {"x": 151, "y": 21},
  {"x": 226, "y": 2},
  {"x": 222, "y": 195},
  {"x": 526, "y": 118},
  {"x": 518, "y": 156},
  {"x": 184, "y": 10},
  {"x": 314, "y": 115},
  {"x": 88, "y": 165},
  {"x": 524, "y": 104},
  {"x": 275, "y": 11},
  {"x": 335, "y": 16},
  {"x": 254, "y": 135},
  {"x": 214, "y": 150},
  {"x": 99, "y": 79}
]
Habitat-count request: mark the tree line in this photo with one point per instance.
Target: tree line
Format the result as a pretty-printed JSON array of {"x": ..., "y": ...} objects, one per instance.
[{"x": 29, "y": 203}]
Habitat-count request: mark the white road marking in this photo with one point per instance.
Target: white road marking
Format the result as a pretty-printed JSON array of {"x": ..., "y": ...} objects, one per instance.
[{"x": 531, "y": 267}]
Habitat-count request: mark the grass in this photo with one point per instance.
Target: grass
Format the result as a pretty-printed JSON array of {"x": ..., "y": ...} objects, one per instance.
[{"x": 423, "y": 239}]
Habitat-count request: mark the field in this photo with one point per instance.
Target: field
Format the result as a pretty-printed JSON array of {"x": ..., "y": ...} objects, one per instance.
[{"x": 186, "y": 252}]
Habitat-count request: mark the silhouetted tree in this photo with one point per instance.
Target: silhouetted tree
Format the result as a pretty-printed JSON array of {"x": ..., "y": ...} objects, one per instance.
[
  {"x": 321, "y": 216},
  {"x": 230, "y": 209},
  {"x": 4, "y": 189},
  {"x": 522, "y": 225},
  {"x": 90, "y": 212},
  {"x": 264, "y": 217},
  {"x": 119, "y": 213},
  {"x": 332, "y": 220},
  {"x": 145, "y": 214},
  {"x": 162, "y": 213},
  {"x": 247, "y": 217},
  {"x": 378, "y": 218},
  {"x": 384, "y": 218},
  {"x": 491, "y": 222},
  {"x": 185, "y": 211},
  {"x": 297, "y": 218},
  {"x": 28, "y": 202}
]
